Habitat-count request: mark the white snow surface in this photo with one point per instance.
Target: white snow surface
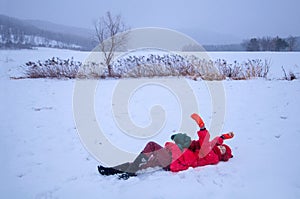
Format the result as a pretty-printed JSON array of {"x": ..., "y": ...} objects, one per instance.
[{"x": 42, "y": 155}]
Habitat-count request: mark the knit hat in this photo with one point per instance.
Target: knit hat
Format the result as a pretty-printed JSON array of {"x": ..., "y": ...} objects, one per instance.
[
  {"x": 182, "y": 140},
  {"x": 223, "y": 151}
]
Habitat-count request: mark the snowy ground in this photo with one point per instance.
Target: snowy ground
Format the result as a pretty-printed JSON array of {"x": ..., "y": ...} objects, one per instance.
[{"x": 43, "y": 157}]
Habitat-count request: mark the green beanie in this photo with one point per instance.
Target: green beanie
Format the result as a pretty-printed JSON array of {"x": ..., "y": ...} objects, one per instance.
[{"x": 182, "y": 140}]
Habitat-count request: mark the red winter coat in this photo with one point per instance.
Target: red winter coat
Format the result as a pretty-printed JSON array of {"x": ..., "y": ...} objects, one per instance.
[
  {"x": 201, "y": 152},
  {"x": 181, "y": 160}
]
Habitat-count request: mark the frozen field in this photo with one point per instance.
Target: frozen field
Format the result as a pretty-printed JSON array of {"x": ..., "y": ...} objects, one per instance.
[{"x": 42, "y": 155}]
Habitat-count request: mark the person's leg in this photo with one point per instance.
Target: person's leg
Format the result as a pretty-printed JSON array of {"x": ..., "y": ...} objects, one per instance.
[
  {"x": 151, "y": 147},
  {"x": 163, "y": 158},
  {"x": 122, "y": 167},
  {"x": 156, "y": 156},
  {"x": 137, "y": 164},
  {"x": 147, "y": 158},
  {"x": 152, "y": 155},
  {"x": 113, "y": 170}
]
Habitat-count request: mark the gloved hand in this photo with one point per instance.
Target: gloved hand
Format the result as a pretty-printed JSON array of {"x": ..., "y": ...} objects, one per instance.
[
  {"x": 227, "y": 136},
  {"x": 198, "y": 120}
]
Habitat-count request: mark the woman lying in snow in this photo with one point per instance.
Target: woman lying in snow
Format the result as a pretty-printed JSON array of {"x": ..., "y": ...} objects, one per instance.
[{"x": 178, "y": 155}]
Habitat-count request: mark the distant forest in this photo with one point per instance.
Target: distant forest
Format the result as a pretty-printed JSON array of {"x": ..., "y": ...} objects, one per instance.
[
  {"x": 255, "y": 44},
  {"x": 272, "y": 44}
]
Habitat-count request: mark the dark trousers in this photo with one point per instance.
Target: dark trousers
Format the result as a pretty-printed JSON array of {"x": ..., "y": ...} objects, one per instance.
[{"x": 153, "y": 155}]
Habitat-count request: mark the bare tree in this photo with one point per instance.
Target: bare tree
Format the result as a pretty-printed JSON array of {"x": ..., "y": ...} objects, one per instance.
[{"x": 111, "y": 35}]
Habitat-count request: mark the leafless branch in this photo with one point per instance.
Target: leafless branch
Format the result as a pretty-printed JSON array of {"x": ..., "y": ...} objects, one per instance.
[{"x": 112, "y": 36}]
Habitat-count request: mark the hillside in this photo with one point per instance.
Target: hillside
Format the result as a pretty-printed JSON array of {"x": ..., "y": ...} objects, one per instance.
[
  {"x": 58, "y": 28},
  {"x": 15, "y": 33}
]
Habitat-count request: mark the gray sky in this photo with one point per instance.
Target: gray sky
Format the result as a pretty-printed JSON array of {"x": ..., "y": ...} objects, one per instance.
[{"x": 240, "y": 18}]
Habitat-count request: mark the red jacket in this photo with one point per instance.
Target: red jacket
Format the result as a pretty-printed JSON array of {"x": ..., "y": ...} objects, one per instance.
[
  {"x": 181, "y": 160},
  {"x": 201, "y": 152}
]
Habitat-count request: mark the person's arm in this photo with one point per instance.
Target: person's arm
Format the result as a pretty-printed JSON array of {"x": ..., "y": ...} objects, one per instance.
[
  {"x": 220, "y": 139},
  {"x": 227, "y": 135},
  {"x": 198, "y": 120},
  {"x": 204, "y": 136}
]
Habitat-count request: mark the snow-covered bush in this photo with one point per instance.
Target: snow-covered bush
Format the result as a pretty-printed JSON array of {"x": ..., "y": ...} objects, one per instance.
[
  {"x": 203, "y": 68},
  {"x": 176, "y": 65},
  {"x": 152, "y": 65},
  {"x": 59, "y": 68},
  {"x": 51, "y": 68},
  {"x": 290, "y": 76},
  {"x": 166, "y": 65},
  {"x": 245, "y": 70}
]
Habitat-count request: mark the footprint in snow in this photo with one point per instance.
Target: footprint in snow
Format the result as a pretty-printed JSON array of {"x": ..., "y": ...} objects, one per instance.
[
  {"x": 42, "y": 108},
  {"x": 21, "y": 175},
  {"x": 283, "y": 117}
]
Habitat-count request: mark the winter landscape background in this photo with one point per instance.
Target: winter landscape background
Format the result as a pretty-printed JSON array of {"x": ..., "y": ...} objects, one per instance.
[
  {"x": 43, "y": 156},
  {"x": 43, "y": 153}
]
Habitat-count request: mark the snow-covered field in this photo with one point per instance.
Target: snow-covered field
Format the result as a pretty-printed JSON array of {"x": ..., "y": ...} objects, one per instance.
[{"x": 42, "y": 155}]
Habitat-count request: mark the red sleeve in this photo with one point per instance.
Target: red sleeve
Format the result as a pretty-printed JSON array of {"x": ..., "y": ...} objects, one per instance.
[
  {"x": 204, "y": 136},
  {"x": 218, "y": 140}
]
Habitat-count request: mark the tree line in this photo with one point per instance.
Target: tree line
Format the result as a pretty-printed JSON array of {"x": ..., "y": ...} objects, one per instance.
[{"x": 271, "y": 44}]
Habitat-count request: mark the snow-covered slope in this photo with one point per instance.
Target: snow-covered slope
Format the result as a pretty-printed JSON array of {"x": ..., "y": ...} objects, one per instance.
[
  {"x": 24, "y": 34},
  {"x": 42, "y": 155}
]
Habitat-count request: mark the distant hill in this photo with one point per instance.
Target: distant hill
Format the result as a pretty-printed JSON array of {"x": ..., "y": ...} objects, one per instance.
[
  {"x": 205, "y": 37},
  {"x": 16, "y": 33},
  {"x": 69, "y": 30}
]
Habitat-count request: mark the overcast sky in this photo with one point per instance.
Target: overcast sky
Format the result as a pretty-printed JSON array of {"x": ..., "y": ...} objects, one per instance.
[{"x": 241, "y": 18}]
